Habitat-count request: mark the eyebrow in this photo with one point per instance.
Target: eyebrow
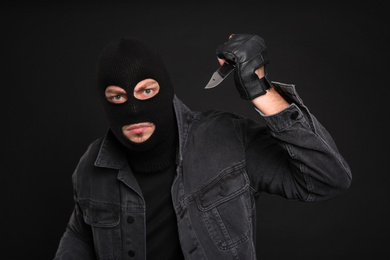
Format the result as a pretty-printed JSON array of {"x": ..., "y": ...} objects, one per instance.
[
  {"x": 147, "y": 84},
  {"x": 115, "y": 91}
]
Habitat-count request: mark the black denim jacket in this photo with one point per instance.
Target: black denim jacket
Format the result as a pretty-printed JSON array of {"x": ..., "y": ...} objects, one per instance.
[{"x": 224, "y": 161}]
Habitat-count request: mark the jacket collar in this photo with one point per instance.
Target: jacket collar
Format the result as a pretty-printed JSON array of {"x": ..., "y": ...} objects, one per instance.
[{"x": 112, "y": 155}]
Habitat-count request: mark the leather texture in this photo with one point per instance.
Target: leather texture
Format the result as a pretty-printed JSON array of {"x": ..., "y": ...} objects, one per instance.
[{"x": 249, "y": 53}]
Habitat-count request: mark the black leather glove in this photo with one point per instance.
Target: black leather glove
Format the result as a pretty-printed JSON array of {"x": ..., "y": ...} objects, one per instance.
[{"x": 249, "y": 53}]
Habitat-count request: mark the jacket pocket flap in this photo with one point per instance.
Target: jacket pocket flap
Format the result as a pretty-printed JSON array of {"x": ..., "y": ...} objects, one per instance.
[
  {"x": 101, "y": 215},
  {"x": 229, "y": 184}
]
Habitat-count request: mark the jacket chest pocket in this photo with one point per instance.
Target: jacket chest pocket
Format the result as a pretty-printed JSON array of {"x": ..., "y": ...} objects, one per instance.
[
  {"x": 225, "y": 208},
  {"x": 104, "y": 221}
]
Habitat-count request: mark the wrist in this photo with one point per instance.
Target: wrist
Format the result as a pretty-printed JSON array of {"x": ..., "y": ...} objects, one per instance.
[{"x": 270, "y": 103}]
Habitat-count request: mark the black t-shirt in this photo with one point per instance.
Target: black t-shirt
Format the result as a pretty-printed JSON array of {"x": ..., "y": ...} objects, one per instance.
[{"x": 162, "y": 238}]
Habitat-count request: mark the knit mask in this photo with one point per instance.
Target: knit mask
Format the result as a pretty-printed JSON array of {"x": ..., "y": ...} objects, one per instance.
[{"x": 124, "y": 63}]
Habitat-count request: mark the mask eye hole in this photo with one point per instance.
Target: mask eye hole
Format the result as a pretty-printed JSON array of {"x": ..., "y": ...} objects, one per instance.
[
  {"x": 116, "y": 95},
  {"x": 146, "y": 89}
]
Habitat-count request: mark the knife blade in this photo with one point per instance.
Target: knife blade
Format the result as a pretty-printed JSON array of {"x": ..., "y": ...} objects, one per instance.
[{"x": 220, "y": 74}]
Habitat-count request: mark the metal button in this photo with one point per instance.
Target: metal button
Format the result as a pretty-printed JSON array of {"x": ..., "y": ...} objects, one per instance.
[
  {"x": 130, "y": 219},
  {"x": 131, "y": 253},
  {"x": 294, "y": 115}
]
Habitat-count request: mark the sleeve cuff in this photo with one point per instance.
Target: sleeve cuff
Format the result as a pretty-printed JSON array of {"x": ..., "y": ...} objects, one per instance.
[
  {"x": 296, "y": 112},
  {"x": 283, "y": 119}
]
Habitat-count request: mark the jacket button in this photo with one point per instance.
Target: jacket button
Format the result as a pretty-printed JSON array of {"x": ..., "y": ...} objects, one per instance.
[
  {"x": 131, "y": 253},
  {"x": 130, "y": 219},
  {"x": 294, "y": 115}
]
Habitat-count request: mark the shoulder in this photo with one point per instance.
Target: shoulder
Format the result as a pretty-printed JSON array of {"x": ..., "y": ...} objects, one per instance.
[
  {"x": 92, "y": 151},
  {"x": 217, "y": 124},
  {"x": 87, "y": 160},
  {"x": 217, "y": 115},
  {"x": 183, "y": 112}
]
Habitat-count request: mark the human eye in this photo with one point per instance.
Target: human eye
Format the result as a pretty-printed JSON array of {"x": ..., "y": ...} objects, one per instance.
[
  {"x": 146, "y": 89},
  {"x": 116, "y": 95},
  {"x": 117, "y": 98}
]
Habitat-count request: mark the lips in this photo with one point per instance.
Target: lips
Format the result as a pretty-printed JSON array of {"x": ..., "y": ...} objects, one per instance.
[{"x": 138, "y": 128}]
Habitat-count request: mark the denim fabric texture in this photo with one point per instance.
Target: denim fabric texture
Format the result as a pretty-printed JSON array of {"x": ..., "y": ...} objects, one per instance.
[{"x": 224, "y": 162}]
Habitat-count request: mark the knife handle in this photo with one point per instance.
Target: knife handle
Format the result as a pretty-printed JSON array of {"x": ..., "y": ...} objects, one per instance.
[{"x": 225, "y": 69}]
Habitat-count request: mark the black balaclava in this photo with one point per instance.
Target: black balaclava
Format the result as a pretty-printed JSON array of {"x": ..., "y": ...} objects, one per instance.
[{"x": 125, "y": 62}]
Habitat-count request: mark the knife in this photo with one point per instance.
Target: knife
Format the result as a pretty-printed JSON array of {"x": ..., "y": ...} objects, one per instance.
[{"x": 219, "y": 75}]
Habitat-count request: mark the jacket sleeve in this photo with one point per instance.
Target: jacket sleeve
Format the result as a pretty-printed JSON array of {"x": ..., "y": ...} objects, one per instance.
[
  {"x": 76, "y": 243},
  {"x": 295, "y": 156}
]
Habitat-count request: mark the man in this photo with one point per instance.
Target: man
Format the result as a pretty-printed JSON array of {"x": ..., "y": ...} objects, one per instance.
[{"x": 169, "y": 183}]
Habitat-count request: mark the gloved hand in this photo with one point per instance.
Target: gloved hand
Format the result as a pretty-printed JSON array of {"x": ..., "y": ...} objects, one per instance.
[{"x": 249, "y": 53}]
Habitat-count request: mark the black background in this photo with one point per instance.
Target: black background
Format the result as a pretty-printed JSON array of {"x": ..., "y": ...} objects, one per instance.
[{"x": 336, "y": 54}]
